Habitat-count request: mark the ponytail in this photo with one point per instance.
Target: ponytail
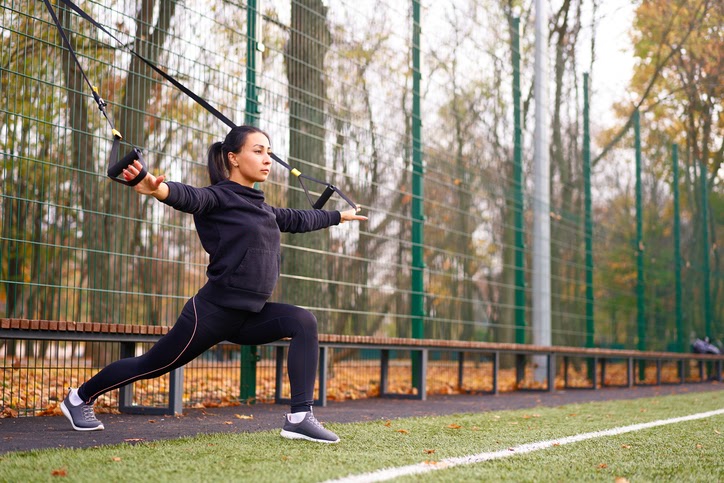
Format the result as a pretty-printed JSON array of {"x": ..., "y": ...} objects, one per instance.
[
  {"x": 218, "y": 156},
  {"x": 218, "y": 170}
]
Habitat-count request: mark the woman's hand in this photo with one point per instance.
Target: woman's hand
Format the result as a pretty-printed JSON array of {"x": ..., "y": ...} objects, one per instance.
[
  {"x": 351, "y": 215},
  {"x": 150, "y": 185}
]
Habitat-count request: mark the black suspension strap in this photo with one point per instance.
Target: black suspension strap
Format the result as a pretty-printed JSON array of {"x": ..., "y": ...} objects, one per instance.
[{"x": 118, "y": 166}]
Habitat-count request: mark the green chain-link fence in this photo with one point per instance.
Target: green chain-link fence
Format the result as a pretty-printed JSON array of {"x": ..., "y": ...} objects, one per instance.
[{"x": 430, "y": 159}]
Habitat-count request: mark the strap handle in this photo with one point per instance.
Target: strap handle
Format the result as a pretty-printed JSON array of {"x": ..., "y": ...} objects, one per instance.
[{"x": 117, "y": 167}]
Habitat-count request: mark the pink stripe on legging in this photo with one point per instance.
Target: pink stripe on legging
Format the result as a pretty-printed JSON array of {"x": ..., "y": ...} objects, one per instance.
[{"x": 123, "y": 383}]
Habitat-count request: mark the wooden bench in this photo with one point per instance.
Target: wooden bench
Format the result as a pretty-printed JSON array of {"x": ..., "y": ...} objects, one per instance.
[{"x": 128, "y": 336}]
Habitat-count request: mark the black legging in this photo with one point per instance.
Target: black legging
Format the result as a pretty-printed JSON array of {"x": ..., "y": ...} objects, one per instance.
[{"x": 202, "y": 325}]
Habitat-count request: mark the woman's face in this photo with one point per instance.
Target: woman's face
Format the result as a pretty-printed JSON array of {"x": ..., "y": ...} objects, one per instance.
[{"x": 252, "y": 163}]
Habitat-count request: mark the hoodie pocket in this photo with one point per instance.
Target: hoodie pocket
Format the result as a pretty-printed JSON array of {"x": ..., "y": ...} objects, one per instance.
[{"x": 258, "y": 271}]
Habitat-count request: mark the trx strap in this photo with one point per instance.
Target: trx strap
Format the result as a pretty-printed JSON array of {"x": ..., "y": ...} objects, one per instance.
[{"x": 117, "y": 167}]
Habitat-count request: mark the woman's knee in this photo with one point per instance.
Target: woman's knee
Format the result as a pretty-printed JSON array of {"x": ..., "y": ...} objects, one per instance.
[{"x": 306, "y": 321}]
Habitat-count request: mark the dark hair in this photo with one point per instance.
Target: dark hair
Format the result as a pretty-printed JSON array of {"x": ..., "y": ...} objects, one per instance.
[{"x": 218, "y": 155}]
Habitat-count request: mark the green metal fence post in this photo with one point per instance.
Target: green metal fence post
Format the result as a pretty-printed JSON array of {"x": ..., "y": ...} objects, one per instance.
[
  {"x": 588, "y": 224},
  {"x": 251, "y": 112},
  {"x": 518, "y": 220},
  {"x": 640, "y": 280},
  {"x": 520, "y": 302},
  {"x": 249, "y": 354},
  {"x": 417, "y": 297},
  {"x": 680, "y": 331},
  {"x": 705, "y": 268}
]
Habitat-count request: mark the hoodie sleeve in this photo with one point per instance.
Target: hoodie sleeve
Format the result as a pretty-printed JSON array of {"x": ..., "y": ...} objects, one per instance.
[
  {"x": 190, "y": 199},
  {"x": 301, "y": 221}
]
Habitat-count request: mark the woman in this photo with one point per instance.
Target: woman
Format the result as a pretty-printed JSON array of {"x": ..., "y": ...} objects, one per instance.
[{"x": 241, "y": 234}]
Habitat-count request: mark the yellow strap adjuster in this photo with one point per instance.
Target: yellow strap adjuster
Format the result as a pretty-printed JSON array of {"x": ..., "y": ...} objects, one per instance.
[
  {"x": 117, "y": 134},
  {"x": 296, "y": 172}
]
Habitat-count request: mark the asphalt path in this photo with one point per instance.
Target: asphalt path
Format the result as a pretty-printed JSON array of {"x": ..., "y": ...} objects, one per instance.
[{"x": 29, "y": 433}]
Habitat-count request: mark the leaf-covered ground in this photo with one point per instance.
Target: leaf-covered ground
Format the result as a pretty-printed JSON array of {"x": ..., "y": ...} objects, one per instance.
[{"x": 31, "y": 388}]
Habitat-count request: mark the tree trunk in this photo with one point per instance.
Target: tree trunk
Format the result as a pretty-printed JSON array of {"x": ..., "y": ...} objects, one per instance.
[{"x": 308, "y": 43}]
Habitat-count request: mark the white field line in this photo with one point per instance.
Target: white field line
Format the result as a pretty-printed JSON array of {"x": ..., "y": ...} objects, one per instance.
[{"x": 390, "y": 473}]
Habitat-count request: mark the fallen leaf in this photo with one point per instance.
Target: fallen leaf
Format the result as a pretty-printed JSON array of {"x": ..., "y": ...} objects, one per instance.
[
  {"x": 428, "y": 451},
  {"x": 388, "y": 423},
  {"x": 643, "y": 410},
  {"x": 152, "y": 421},
  {"x": 228, "y": 422},
  {"x": 133, "y": 440},
  {"x": 625, "y": 446},
  {"x": 454, "y": 426},
  {"x": 430, "y": 462},
  {"x": 243, "y": 416},
  {"x": 403, "y": 431},
  {"x": 573, "y": 415},
  {"x": 59, "y": 472},
  {"x": 475, "y": 428},
  {"x": 603, "y": 465},
  {"x": 699, "y": 446},
  {"x": 716, "y": 431},
  {"x": 556, "y": 444},
  {"x": 8, "y": 413},
  {"x": 620, "y": 479},
  {"x": 115, "y": 458}
]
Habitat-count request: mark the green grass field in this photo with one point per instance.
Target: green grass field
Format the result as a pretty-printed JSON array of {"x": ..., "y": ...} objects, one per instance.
[{"x": 686, "y": 451}]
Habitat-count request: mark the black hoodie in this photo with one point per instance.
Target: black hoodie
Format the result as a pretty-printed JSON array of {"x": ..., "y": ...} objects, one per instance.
[{"x": 241, "y": 234}]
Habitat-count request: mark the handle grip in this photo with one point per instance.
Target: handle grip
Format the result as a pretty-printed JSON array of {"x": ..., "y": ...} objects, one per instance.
[
  {"x": 324, "y": 197},
  {"x": 117, "y": 168}
]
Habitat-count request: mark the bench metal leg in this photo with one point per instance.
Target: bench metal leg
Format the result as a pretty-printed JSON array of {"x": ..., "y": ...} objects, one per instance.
[
  {"x": 323, "y": 358},
  {"x": 551, "y": 372},
  {"x": 422, "y": 374},
  {"x": 175, "y": 390},
  {"x": 630, "y": 372},
  {"x": 384, "y": 370},
  {"x": 496, "y": 368},
  {"x": 461, "y": 369}
]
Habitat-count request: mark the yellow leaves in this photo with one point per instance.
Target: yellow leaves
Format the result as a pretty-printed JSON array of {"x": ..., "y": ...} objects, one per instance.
[
  {"x": 403, "y": 431},
  {"x": 243, "y": 416},
  {"x": 621, "y": 479},
  {"x": 115, "y": 459},
  {"x": 428, "y": 451},
  {"x": 626, "y": 446},
  {"x": 454, "y": 426}
]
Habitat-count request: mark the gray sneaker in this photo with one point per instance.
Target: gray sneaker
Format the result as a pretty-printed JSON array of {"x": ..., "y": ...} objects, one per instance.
[
  {"x": 82, "y": 416},
  {"x": 309, "y": 429}
]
